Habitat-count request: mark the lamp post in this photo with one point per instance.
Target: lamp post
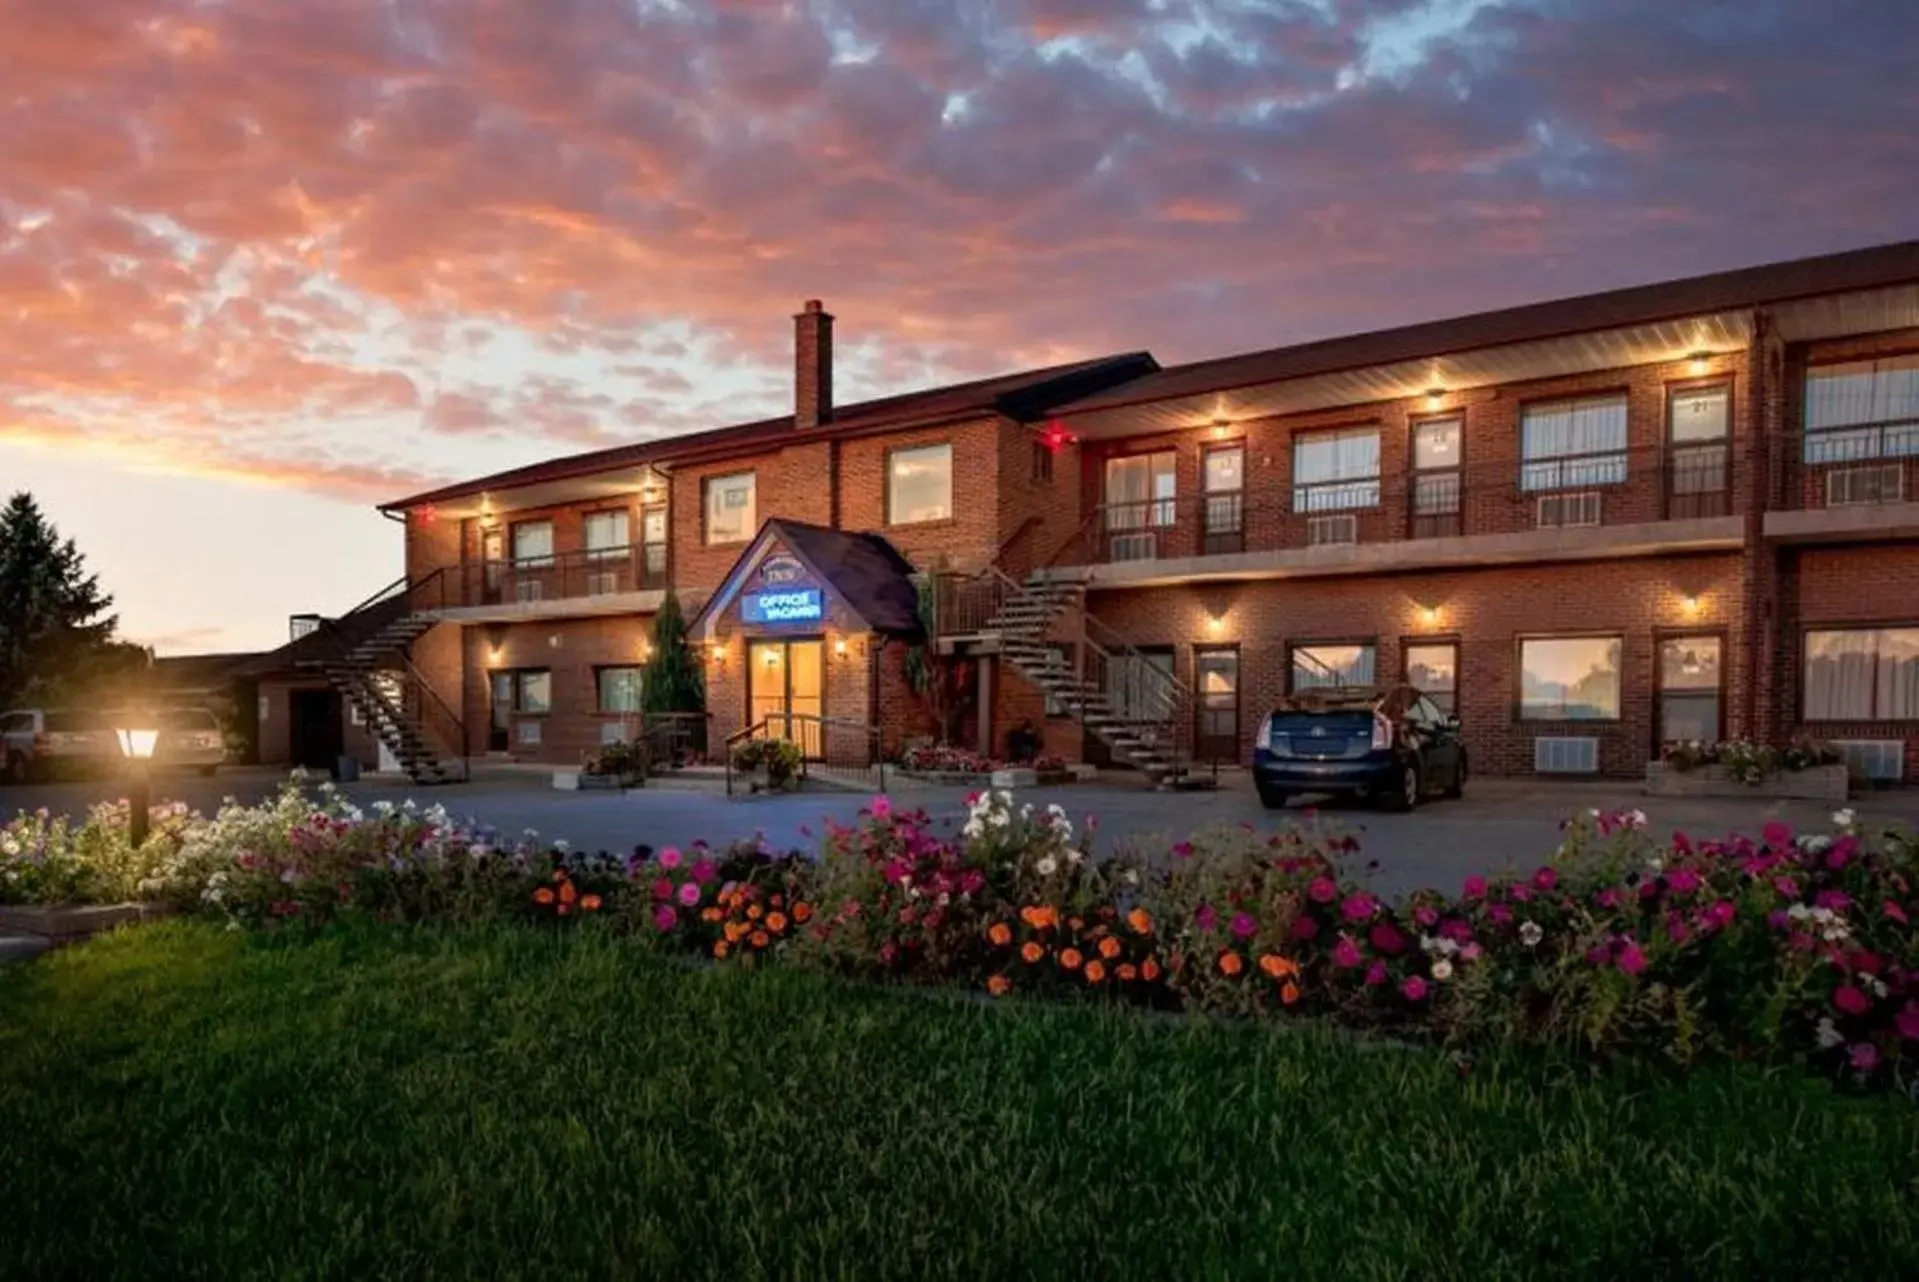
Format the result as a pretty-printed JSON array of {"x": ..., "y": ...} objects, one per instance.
[{"x": 137, "y": 745}]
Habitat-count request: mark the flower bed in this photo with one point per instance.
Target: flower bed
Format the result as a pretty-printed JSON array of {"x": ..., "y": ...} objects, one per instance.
[
  {"x": 947, "y": 764},
  {"x": 1787, "y": 946},
  {"x": 1805, "y": 769}
]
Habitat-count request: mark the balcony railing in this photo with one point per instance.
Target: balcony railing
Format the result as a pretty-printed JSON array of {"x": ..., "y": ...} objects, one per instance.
[
  {"x": 1620, "y": 487},
  {"x": 1855, "y": 466},
  {"x": 528, "y": 581}
]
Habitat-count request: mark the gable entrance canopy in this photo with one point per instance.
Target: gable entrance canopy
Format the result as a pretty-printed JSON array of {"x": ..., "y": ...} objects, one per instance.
[{"x": 795, "y": 577}]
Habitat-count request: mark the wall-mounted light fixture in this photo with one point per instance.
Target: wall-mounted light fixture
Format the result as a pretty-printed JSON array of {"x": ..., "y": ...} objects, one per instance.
[
  {"x": 1690, "y": 604},
  {"x": 495, "y": 657},
  {"x": 1699, "y": 364},
  {"x": 839, "y": 647},
  {"x": 1435, "y": 397},
  {"x": 717, "y": 652},
  {"x": 1221, "y": 429},
  {"x": 1429, "y": 615},
  {"x": 1216, "y": 623}
]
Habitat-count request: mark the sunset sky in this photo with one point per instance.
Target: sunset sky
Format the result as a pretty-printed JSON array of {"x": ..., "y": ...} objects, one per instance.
[{"x": 264, "y": 263}]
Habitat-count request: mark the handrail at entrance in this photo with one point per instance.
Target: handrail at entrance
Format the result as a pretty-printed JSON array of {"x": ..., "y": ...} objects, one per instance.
[{"x": 868, "y": 736}]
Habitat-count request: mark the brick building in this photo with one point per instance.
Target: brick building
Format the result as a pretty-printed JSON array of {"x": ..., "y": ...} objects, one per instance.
[{"x": 1586, "y": 526}]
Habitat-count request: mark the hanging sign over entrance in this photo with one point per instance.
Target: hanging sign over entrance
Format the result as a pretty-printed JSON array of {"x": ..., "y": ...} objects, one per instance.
[
  {"x": 787, "y": 605},
  {"x": 780, "y": 569}
]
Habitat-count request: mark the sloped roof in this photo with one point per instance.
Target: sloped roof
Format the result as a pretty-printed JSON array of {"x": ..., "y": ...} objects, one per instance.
[
  {"x": 1021, "y": 396},
  {"x": 1773, "y": 283},
  {"x": 317, "y": 648},
  {"x": 197, "y": 671},
  {"x": 864, "y": 571}
]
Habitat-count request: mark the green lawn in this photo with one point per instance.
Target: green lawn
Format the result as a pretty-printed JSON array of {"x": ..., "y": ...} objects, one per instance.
[{"x": 182, "y": 1101}]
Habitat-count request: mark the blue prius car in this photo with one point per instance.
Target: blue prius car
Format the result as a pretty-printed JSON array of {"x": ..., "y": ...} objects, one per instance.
[{"x": 1391, "y": 744}]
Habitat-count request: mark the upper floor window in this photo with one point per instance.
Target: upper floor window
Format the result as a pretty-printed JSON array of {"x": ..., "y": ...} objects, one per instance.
[
  {"x": 919, "y": 484},
  {"x": 533, "y": 544},
  {"x": 1438, "y": 447},
  {"x": 607, "y": 534},
  {"x": 1698, "y": 420},
  {"x": 1862, "y": 674},
  {"x": 1569, "y": 678},
  {"x": 1573, "y": 443},
  {"x": 1042, "y": 461},
  {"x": 1862, "y": 410},
  {"x": 1336, "y": 470},
  {"x": 1139, "y": 490},
  {"x": 731, "y": 510}
]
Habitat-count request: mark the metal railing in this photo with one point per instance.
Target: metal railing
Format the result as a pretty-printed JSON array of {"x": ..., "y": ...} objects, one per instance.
[
  {"x": 1852, "y": 466},
  {"x": 419, "y": 701},
  {"x": 559, "y": 576},
  {"x": 674, "y": 739},
  {"x": 829, "y": 743}
]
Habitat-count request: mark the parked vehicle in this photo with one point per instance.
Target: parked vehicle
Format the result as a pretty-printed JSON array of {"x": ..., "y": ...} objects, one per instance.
[
  {"x": 37, "y": 743},
  {"x": 190, "y": 738},
  {"x": 1391, "y": 743}
]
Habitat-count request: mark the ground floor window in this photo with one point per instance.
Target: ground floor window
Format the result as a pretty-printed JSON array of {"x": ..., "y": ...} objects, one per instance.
[
  {"x": 1862, "y": 674},
  {"x": 1569, "y": 678},
  {"x": 533, "y": 691},
  {"x": 786, "y": 690},
  {"x": 1217, "y": 682},
  {"x": 1322, "y": 666},
  {"x": 620, "y": 688},
  {"x": 1432, "y": 668},
  {"x": 1689, "y": 689}
]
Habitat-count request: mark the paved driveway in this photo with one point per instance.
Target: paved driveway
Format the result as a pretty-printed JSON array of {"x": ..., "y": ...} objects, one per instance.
[{"x": 1500, "y": 823}]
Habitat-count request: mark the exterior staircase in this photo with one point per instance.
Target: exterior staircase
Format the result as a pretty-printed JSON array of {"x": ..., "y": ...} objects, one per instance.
[
  {"x": 368, "y": 677},
  {"x": 1148, "y": 727}
]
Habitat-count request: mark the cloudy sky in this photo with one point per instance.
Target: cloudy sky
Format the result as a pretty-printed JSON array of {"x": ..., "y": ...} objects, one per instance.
[{"x": 264, "y": 263}]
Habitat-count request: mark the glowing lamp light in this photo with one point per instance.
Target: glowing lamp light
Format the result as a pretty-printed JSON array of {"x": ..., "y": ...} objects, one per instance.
[
  {"x": 839, "y": 646},
  {"x": 137, "y": 744},
  {"x": 1216, "y": 623},
  {"x": 1699, "y": 363},
  {"x": 1221, "y": 429},
  {"x": 1435, "y": 397},
  {"x": 428, "y": 515},
  {"x": 1690, "y": 604},
  {"x": 1055, "y": 437},
  {"x": 718, "y": 652},
  {"x": 1429, "y": 616}
]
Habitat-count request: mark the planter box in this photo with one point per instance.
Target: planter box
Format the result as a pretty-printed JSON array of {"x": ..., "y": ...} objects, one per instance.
[
  {"x": 1016, "y": 777},
  {"x": 1820, "y": 783},
  {"x": 65, "y": 922},
  {"x": 608, "y": 783},
  {"x": 566, "y": 780},
  {"x": 972, "y": 778}
]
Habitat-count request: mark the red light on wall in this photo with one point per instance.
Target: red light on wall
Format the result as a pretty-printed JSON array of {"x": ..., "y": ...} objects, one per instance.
[
  {"x": 428, "y": 515},
  {"x": 1055, "y": 436}
]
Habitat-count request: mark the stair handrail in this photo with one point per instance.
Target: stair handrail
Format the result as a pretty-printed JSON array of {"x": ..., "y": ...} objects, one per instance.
[{"x": 330, "y": 627}]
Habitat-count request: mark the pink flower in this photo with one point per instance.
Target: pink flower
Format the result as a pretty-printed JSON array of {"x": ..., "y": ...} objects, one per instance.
[
  {"x": 1322, "y": 890},
  {"x": 1907, "y": 1021},
  {"x": 1244, "y": 925},
  {"x": 1841, "y": 851},
  {"x": 1800, "y": 941},
  {"x": 665, "y": 918},
  {"x": 689, "y": 893},
  {"x": 1787, "y": 887},
  {"x": 1359, "y": 907},
  {"x": 1522, "y": 894},
  {"x": 1500, "y": 913},
  {"x": 1851, "y": 999},
  {"x": 1683, "y": 881},
  {"x": 1608, "y": 899},
  {"x": 704, "y": 871},
  {"x": 1865, "y": 1057},
  {"x": 1895, "y": 912},
  {"x": 1183, "y": 850},
  {"x": 1387, "y": 939},
  {"x": 1778, "y": 835},
  {"x": 1414, "y": 988},
  {"x": 1545, "y": 879},
  {"x": 1471, "y": 952},
  {"x": 1676, "y": 928},
  {"x": 1426, "y": 915},
  {"x": 1475, "y": 887},
  {"x": 881, "y": 808},
  {"x": 670, "y": 858},
  {"x": 1837, "y": 900},
  {"x": 889, "y": 953},
  {"x": 1376, "y": 974},
  {"x": 1721, "y": 914},
  {"x": 894, "y": 872},
  {"x": 1682, "y": 843},
  {"x": 1346, "y": 952},
  {"x": 1632, "y": 959},
  {"x": 663, "y": 888},
  {"x": 1304, "y": 928},
  {"x": 1206, "y": 917}
]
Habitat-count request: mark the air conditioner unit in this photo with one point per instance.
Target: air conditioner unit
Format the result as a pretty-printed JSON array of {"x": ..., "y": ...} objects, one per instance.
[
  {"x": 1880, "y": 760},
  {"x": 1142, "y": 545},
  {"x": 529, "y": 590},
  {"x": 1568, "y": 511},
  {"x": 1881, "y": 483},
  {"x": 1343, "y": 528},
  {"x": 1566, "y": 756},
  {"x": 529, "y": 733},
  {"x": 603, "y": 583}
]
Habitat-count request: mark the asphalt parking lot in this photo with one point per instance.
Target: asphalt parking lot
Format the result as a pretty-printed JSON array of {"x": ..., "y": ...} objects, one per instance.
[{"x": 1498, "y": 824}]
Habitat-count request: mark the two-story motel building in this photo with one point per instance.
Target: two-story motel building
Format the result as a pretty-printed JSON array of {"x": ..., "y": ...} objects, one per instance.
[{"x": 1587, "y": 526}]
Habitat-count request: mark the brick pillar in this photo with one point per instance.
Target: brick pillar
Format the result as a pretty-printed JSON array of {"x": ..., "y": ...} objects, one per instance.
[
  {"x": 1761, "y": 626},
  {"x": 812, "y": 366}
]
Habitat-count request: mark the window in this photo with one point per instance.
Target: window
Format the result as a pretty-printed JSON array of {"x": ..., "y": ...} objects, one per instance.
[
  {"x": 653, "y": 541},
  {"x": 1218, "y": 686},
  {"x": 919, "y": 485},
  {"x": 1863, "y": 674},
  {"x": 1321, "y": 667},
  {"x": 1432, "y": 668},
  {"x": 533, "y": 545},
  {"x": 533, "y": 691},
  {"x": 1437, "y": 455},
  {"x": 730, "y": 508},
  {"x": 619, "y": 689},
  {"x": 1689, "y": 670},
  {"x": 1042, "y": 462},
  {"x": 1140, "y": 490},
  {"x": 1697, "y": 420},
  {"x": 1863, "y": 410},
  {"x": 1571, "y": 444},
  {"x": 1223, "y": 478},
  {"x": 606, "y": 535},
  {"x": 1336, "y": 470},
  {"x": 1569, "y": 678}
]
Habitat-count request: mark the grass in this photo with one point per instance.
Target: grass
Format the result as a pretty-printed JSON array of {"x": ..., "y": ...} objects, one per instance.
[{"x": 179, "y": 1101}]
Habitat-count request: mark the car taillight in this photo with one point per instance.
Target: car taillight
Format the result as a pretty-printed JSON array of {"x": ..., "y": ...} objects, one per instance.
[
  {"x": 1264, "y": 739},
  {"x": 1382, "y": 732}
]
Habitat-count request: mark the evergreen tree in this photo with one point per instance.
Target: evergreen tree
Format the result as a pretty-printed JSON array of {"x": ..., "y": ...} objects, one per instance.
[
  {"x": 673, "y": 681},
  {"x": 52, "y": 635}
]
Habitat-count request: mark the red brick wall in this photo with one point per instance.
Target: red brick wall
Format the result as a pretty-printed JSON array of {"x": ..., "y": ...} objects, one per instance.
[
  {"x": 792, "y": 482},
  {"x": 966, "y": 541},
  {"x": 1036, "y": 516},
  {"x": 572, "y": 650}
]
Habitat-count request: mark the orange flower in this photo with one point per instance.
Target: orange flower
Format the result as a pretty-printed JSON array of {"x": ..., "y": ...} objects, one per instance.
[
  {"x": 590, "y": 904},
  {"x": 1149, "y": 970},
  {"x": 1070, "y": 959},
  {"x": 999, "y": 985},
  {"x": 719, "y": 948},
  {"x": 568, "y": 892},
  {"x": 1289, "y": 992},
  {"x": 1141, "y": 921},
  {"x": 1039, "y": 918},
  {"x": 802, "y": 911},
  {"x": 1128, "y": 972},
  {"x": 543, "y": 896},
  {"x": 1001, "y": 934},
  {"x": 1077, "y": 923},
  {"x": 1095, "y": 971},
  {"x": 1032, "y": 952},
  {"x": 776, "y": 922},
  {"x": 711, "y": 914},
  {"x": 1231, "y": 963},
  {"x": 734, "y": 929},
  {"x": 1273, "y": 964},
  {"x": 760, "y": 939},
  {"x": 777, "y": 901},
  {"x": 755, "y": 911}
]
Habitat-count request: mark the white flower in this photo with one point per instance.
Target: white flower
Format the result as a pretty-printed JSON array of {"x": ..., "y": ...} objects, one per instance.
[
  {"x": 1131, "y": 878},
  {"x": 944, "y": 899},
  {"x": 1530, "y": 934},
  {"x": 1843, "y": 818},
  {"x": 1815, "y": 843},
  {"x": 1075, "y": 856},
  {"x": 1655, "y": 863},
  {"x": 1829, "y": 1036},
  {"x": 8, "y": 846},
  {"x": 999, "y": 819},
  {"x": 1635, "y": 818},
  {"x": 1056, "y": 810},
  {"x": 1442, "y": 970},
  {"x": 562, "y": 846},
  {"x": 972, "y": 828},
  {"x": 1594, "y": 812},
  {"x": 1046, "y": 867},
  {"x": 1877, "y": 985},
  {"x": 1798, "y": 912}
]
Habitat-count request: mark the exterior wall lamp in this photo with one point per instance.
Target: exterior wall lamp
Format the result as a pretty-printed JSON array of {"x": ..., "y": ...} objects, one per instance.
[{"x": 136, "y": 745}]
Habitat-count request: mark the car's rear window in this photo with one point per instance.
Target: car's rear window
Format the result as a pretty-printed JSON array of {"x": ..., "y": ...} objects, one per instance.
[
  {"x": 1290, "y": 720},
  {"x": 189, "y": 719},
  {"x": 74, "y": 722}
]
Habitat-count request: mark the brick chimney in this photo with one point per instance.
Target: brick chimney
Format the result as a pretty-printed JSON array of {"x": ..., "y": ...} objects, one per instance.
[{"x": 812, "y": 366}]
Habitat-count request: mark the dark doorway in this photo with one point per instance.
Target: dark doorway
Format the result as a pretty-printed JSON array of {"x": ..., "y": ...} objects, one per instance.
[{"x": 315, "y": 736}]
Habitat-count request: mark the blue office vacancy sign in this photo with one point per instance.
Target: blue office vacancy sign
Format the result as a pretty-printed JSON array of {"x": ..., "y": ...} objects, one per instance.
[{"x": 791, "y": 605}]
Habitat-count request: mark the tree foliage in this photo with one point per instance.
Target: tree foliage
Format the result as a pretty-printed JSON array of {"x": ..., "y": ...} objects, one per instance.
[
  {"x": 944, "y": 683},
  {"x": 56, "y": 638},
  {"x": 673, "y": 681}
]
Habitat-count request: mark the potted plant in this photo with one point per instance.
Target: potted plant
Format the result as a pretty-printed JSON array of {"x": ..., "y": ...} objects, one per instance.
[
  {"x": 615, "y": 765},
  {"x": 1804, "y": 769},
  {"x": 772, "y": 764}
]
